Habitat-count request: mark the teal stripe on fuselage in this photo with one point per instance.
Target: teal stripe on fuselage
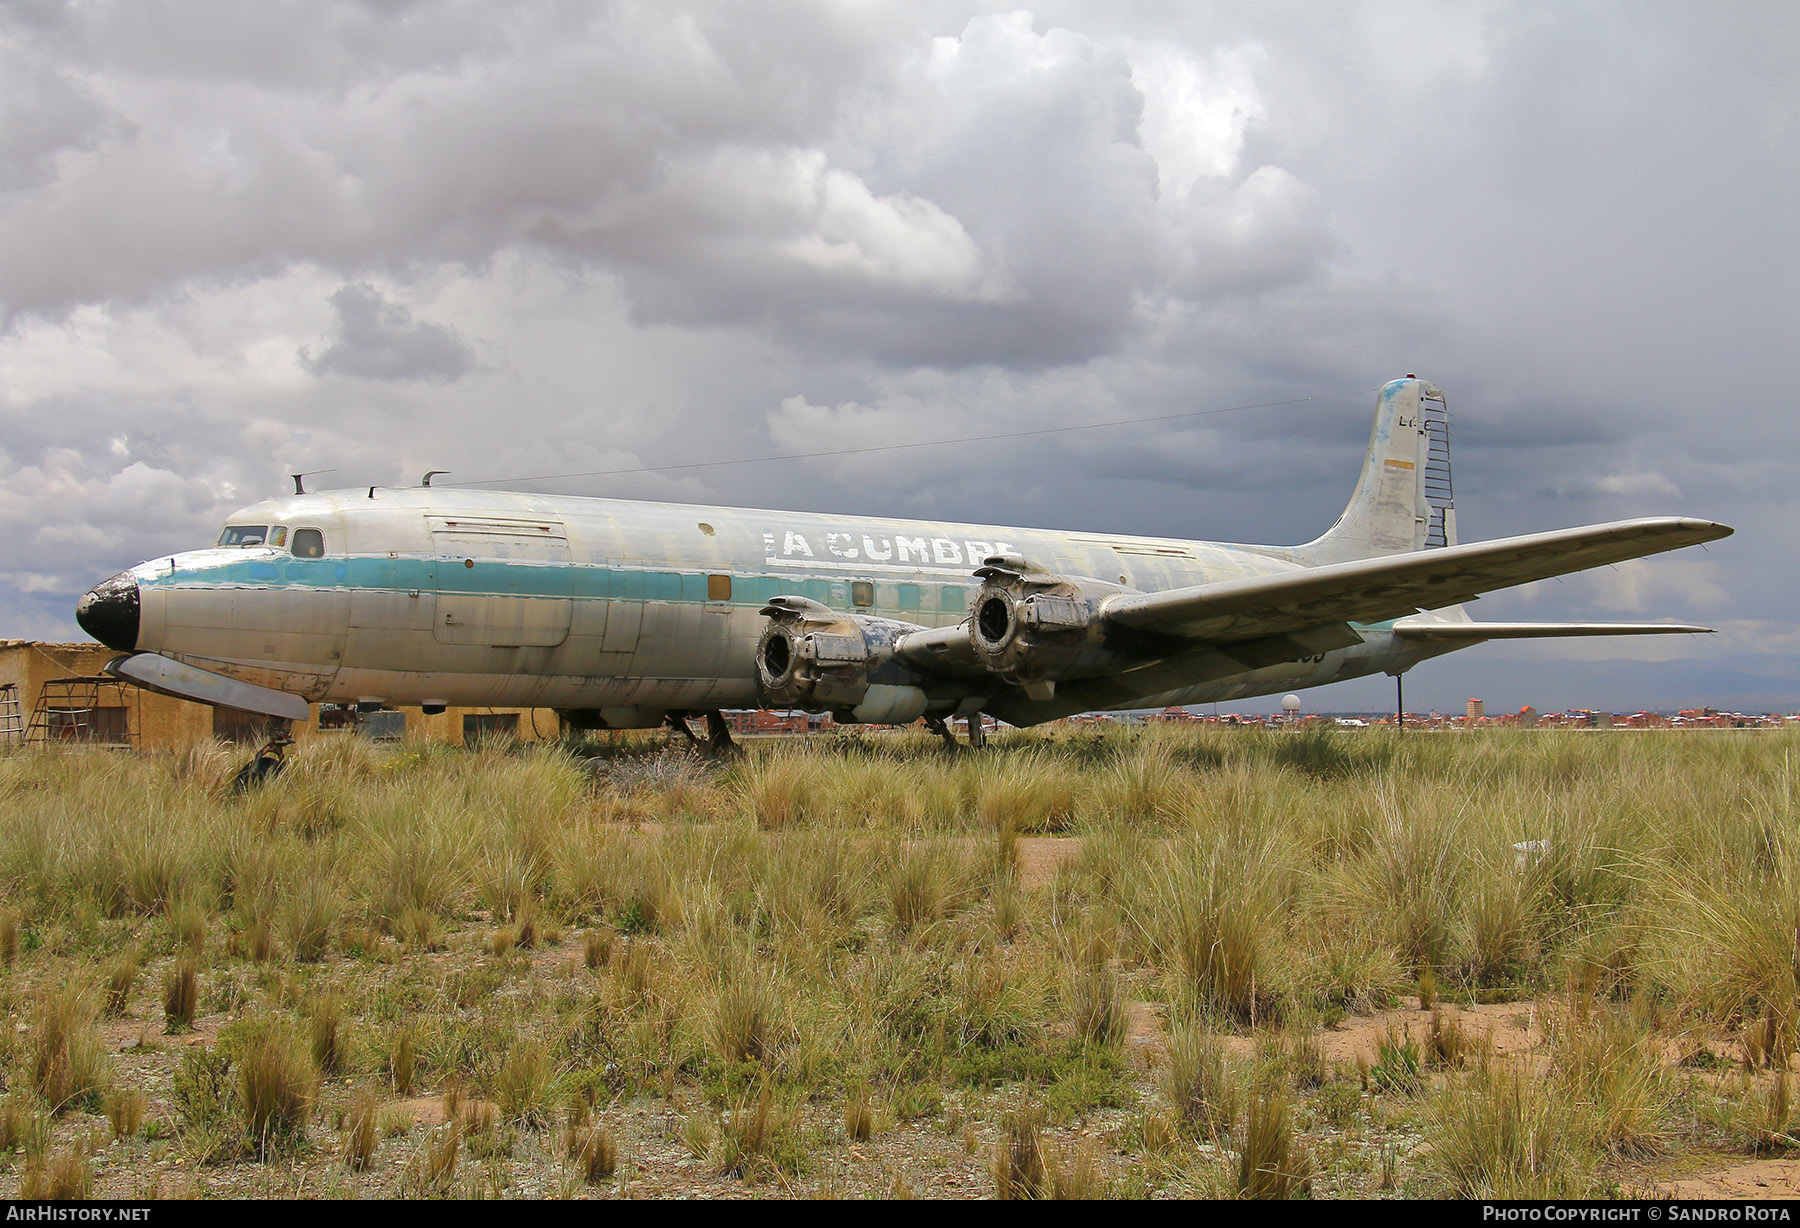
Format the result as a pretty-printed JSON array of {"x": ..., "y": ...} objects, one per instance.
[{"x": 578, "y": 581}]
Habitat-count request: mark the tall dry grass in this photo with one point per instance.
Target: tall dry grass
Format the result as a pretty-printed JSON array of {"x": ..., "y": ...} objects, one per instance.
[{"x": 854, "y": 918}]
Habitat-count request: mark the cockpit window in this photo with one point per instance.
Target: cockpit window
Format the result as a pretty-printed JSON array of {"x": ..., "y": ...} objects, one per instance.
[
  {"x": 244, "y": 535},
  {"x": 309, "y": 544},
  {"x": 278, "y": 536}
]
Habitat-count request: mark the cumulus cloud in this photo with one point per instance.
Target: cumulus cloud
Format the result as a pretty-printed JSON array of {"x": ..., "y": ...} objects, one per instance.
[{"x": 45, "y": 116}]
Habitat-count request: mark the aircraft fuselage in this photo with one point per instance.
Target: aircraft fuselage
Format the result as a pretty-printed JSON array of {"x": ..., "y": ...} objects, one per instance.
[{"x": 447, "y": 596}]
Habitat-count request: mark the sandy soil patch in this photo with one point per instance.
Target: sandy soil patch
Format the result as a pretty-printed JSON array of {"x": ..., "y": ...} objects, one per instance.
[
  {"x": 1040, "y": 857},
  {"x": 1513, "y": 1028},
  {"x": 1759, "y": 1179}
]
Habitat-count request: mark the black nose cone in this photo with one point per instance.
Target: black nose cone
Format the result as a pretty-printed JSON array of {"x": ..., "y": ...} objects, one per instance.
[{"x": 109, "y": 612}]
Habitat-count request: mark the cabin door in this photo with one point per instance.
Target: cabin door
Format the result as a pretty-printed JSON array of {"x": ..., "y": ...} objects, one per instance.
[{"x": 501, "y": 582}]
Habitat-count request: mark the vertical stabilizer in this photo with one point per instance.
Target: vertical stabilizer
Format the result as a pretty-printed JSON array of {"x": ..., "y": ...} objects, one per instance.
[{"x": 1403, "y": 501}]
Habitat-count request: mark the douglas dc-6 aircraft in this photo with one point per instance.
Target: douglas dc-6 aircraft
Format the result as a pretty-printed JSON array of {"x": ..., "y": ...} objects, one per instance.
[{"x": 624, "y": 615}]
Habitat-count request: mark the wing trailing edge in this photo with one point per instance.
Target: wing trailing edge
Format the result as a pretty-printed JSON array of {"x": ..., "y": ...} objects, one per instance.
[{"x": 1419, "y": 629}]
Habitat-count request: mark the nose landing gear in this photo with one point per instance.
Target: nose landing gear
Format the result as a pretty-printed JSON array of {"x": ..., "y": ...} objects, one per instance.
[{"x": 269, "y": 763}]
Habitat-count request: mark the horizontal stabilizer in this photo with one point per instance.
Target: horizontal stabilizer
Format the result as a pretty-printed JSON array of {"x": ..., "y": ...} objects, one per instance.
[
  {"x": 1418, "y": 629},
  {"x": 1395, "y": 585},
  {"x": 167, "y": 676}
]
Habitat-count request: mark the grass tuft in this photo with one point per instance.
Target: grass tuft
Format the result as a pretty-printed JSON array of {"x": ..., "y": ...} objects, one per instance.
[
  {"x": 361, "y": 1130},
  {"x": 523, "y": 1085},
  {"x": 69, "y": 1177},
  {"x": 402, "y": 1059},
  {"x": 181, "y": 995},
  {"x": 1272, "y": 1164},
  {"x": 760, "y": 1136},
  {"x": 594, "y": 1151},
  {"x": 121, "y": 980},
  {"x": 597, "y": 949},
  {"x": 859, "y": 1117},
  {"x": 1200, "y": 1084},
  {"x": 125, "y": 1109},
  {"x": 435, "y": 1167},
  {"x": 1500, "y": 1133},
  {"x": 276, "y": 1085},
  {"x": 1019, "y": 1170},
  {"x": 1399, "y": 1062},
  {"x": 1096, "y": 1003},
  {"x": 326, "y": 1032},
  {"x": 66, "y": 1064}
]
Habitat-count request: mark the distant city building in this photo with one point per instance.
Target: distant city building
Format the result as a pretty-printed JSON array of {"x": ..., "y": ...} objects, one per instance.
[{"x": 1477, "y": 710}]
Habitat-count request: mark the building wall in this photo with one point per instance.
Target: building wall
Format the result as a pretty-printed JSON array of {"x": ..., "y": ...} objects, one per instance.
[{"x": 161, "y": 722}]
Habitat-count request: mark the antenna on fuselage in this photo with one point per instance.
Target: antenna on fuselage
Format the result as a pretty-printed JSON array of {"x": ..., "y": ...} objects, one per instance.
[
  {"x": 300, "y": 479},
  {"x": 432, "y": 474}
]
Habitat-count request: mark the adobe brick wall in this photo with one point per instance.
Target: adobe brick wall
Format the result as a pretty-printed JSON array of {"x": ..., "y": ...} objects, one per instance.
[{"x": 162, "y": 722}]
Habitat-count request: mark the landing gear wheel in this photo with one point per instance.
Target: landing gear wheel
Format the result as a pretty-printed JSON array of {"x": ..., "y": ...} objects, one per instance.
[{"x": 270, "y": 762}]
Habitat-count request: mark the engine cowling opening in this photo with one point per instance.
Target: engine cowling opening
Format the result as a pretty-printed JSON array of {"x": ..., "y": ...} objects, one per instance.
[
  {"x": 994, "y": 618},
  {"x": 814, "y": 658},
  {"x": 775, "y": 659}
]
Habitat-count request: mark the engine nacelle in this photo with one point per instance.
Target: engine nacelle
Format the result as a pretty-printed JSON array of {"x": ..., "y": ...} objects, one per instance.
[
  {"x": 814, "y": 658},
  {"x": 1033, "y": 628}
]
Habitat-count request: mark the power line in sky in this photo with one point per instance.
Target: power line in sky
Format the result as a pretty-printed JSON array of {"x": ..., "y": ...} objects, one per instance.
[{"x": 924, "y": 443}]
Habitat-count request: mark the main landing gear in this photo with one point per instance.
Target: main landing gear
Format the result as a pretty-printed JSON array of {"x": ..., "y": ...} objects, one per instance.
[
  {"x": 977, "y": 731},
  {"x": 718, "y": 733}
]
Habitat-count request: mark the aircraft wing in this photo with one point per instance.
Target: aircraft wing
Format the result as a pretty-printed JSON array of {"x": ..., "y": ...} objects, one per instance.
[{"x": 1395, "y": 586}]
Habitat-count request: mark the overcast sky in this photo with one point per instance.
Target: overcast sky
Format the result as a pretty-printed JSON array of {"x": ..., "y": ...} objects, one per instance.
[{"x": 240, "y": 240}]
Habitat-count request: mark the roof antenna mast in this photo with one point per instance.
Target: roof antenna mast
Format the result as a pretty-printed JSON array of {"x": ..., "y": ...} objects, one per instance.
[{"x": 300, "y": 478}]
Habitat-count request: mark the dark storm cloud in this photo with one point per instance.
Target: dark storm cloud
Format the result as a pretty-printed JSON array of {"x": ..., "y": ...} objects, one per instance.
[
  {"x": 380, "y": 340},
  {"x": 44, "y": 115},
  {"x": 686, "y": 155},
  {"x": 265, "y": 135}
]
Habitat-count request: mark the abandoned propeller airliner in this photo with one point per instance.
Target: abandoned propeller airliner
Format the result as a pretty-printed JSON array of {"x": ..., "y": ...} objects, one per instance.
[{"x": 620, "y": 614}]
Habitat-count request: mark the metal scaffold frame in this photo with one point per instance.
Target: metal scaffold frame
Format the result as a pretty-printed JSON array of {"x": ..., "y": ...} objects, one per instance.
[
  {"x": 12, "y": 718},
  {"x": 67, "y": 711}
]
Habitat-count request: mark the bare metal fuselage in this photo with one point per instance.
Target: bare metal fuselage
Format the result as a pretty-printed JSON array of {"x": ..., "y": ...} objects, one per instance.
[{"x": 444, "y": 596}]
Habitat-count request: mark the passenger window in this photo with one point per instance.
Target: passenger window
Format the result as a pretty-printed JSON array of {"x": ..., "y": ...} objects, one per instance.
[
  {"x": 718, "y": 588},
  {"x": 862, "y": 593},
  {"x": 309, "y": 544}
]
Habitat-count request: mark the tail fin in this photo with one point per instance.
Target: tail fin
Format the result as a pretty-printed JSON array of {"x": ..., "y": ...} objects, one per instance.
[{"x": 1403, "y": 500}]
